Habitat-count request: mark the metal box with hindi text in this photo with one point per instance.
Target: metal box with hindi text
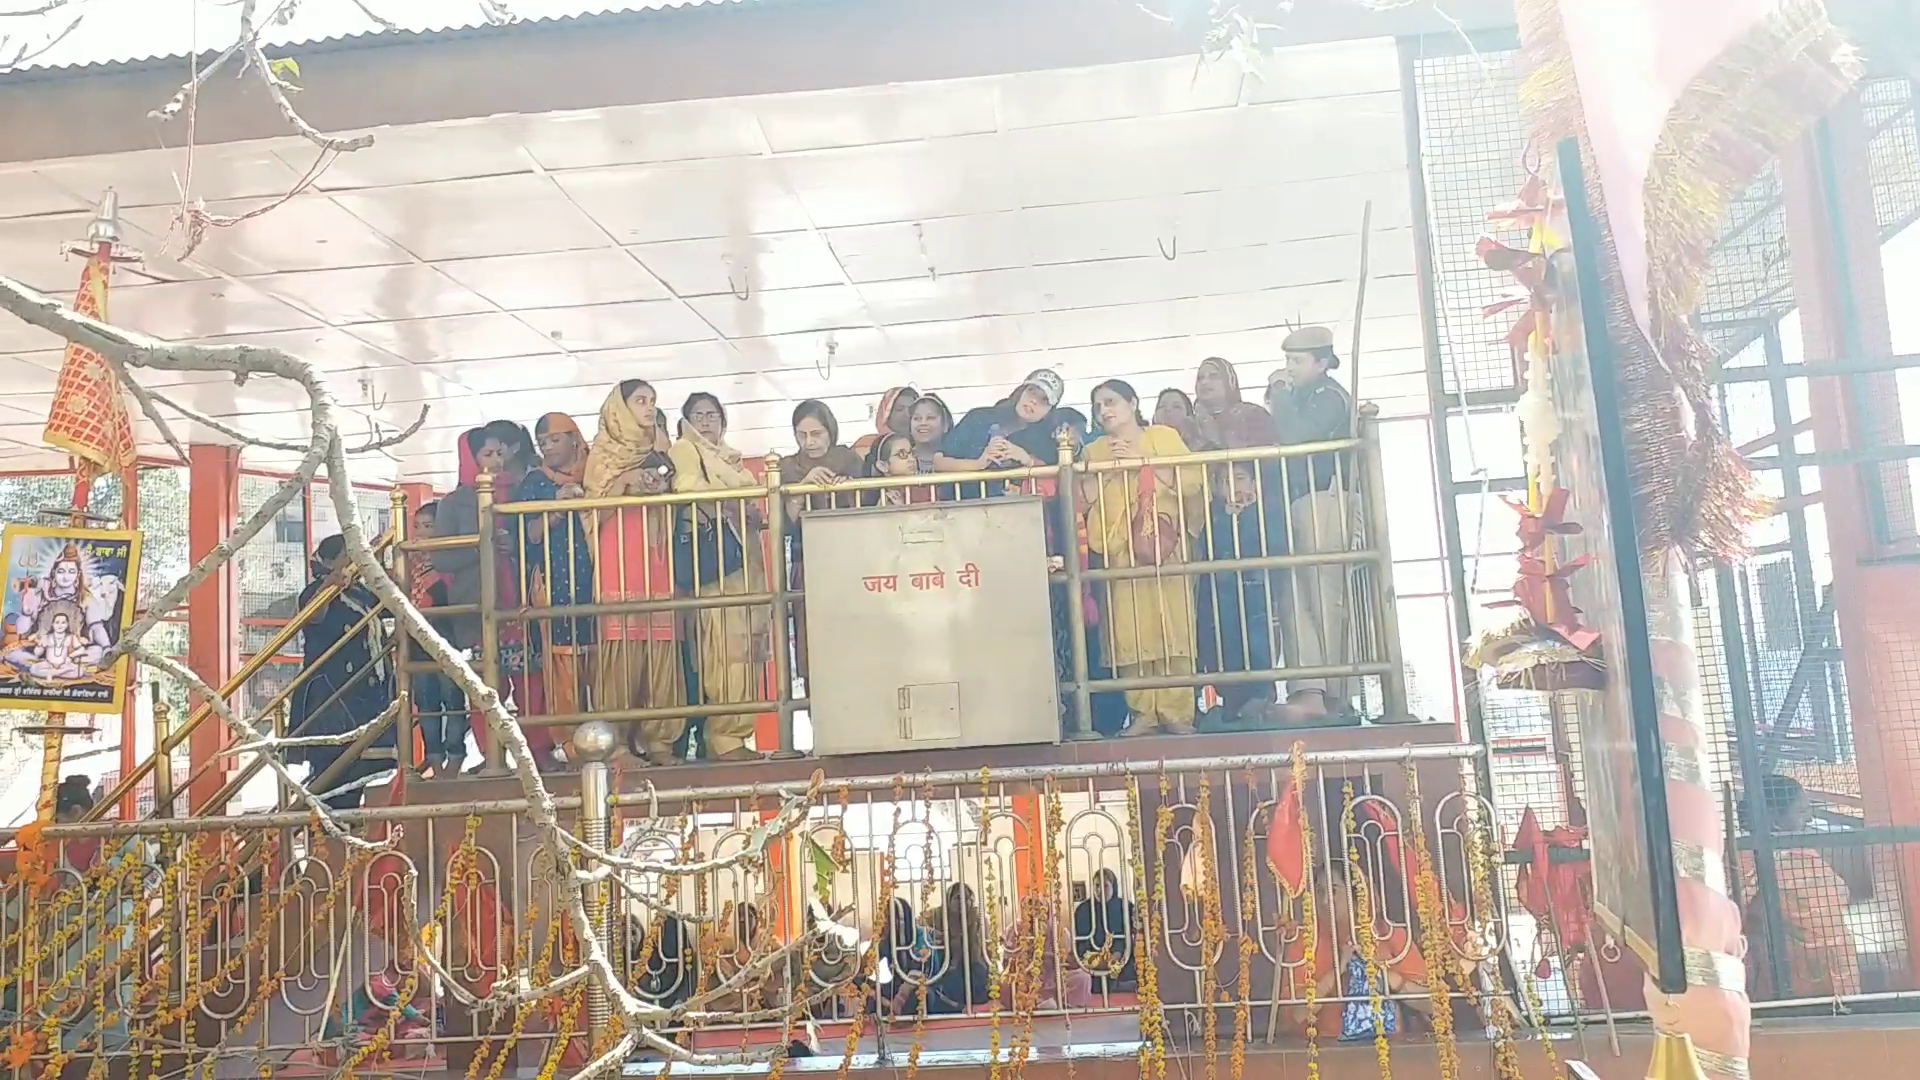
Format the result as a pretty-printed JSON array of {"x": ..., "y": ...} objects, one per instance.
[{"x": 928, "y": 627}]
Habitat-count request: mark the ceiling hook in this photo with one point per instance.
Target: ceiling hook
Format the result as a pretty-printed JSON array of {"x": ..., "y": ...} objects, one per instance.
[
  {"x": 826, "y": 371},
  {"x": 1162, "y": 245},
  {"x": 740, "y": 292},
  {"x": 920, "y": 236}
]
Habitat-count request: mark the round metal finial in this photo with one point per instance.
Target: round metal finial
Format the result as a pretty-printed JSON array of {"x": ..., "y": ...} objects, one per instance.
[{"x": 595, "y": 740}]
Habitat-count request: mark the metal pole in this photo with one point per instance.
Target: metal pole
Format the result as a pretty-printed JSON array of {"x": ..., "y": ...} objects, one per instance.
[
  {"x": 1746, "y": 742},
  {"x": 493, "y": 749},
  {"x": 163, "y": 761},
  {"x": 780, "y": 641},
  {"x": 1080, "y": 716},
  {"x": 593, "y": 744},
  {"x": 1393, "y": 684},
  {"x": 402, "y": 685}
]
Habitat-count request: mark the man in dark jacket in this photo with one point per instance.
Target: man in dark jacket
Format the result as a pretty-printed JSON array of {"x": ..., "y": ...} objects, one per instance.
[{"x": 1308, "y": 406}]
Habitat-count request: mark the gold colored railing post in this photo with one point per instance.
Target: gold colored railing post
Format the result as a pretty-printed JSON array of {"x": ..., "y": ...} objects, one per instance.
[
  {"x": 495, "y": 751},
  {"x": 1068, "y": 493},
  {"x": 777, "y": 585},
  {"x": 402, "y": 652},
  {"x": 163, "y": 764},
  {"x": 1393, "y": 684},
  {"x": 593, "y": 743}
]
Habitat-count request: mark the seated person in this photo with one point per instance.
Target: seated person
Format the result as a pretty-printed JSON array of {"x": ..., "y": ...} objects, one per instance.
[{"x": 1103, "y": 937}]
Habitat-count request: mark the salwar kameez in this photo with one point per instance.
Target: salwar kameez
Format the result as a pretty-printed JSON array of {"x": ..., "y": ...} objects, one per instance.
[{"x": 1149, "y": 621}]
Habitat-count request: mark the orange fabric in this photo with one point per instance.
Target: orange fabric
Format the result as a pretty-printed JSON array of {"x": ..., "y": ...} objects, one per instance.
[
  {"x": 89, "y": 416},
  {"x": 1822, "y": 960},
  {"x": 1286, "y": 841},
  {"x": 633, "y": 549}
]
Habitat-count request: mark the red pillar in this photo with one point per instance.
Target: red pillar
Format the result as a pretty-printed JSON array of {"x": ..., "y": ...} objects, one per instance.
[
  {"x": 1841, "y": 289},
  {"x": 213, "y": 611}
]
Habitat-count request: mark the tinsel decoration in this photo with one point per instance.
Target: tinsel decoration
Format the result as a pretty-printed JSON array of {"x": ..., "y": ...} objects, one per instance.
[
  {"x": 1546, "y": 647},
  {"x": 1691, "y": 489}
]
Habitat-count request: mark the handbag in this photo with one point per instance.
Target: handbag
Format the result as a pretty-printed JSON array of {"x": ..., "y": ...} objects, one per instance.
[
  {"x": 1156, "y": 536},
  {"x": 705, "y": 551}
]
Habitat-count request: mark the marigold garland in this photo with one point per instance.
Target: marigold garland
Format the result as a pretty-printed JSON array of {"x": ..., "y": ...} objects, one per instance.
[
  {"x": 1213, "y": 931},
  {"x": 1309, "y": 919},
  {"x": 1435, "y": 942},
  {"x": 1249, "y": 932},
  {"x": 1363, "y": 934}
]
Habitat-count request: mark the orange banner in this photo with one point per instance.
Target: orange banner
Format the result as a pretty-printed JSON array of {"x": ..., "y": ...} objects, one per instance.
[{"x": 89, "y": 418}]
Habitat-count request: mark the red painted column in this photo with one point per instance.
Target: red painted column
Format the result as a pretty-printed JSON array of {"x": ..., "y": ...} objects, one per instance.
[
  {"x": 213, "y": 610},
  {"x": 1837, "y": 273}
]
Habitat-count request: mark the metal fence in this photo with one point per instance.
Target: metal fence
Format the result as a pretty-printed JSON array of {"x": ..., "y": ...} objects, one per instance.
[
  {"x": 1268, "y": 566},
  {"x": 908, "y": 906}
]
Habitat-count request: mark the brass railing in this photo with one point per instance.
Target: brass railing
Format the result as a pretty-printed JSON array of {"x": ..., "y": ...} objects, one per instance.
[
  {"x": 166, "y": 789},
  {"x": 1272, "y": 580},
  {"x": 993, "y": 879}
]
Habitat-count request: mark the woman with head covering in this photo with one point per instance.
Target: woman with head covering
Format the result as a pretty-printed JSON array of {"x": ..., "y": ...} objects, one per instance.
[
  {"x": 500, "y": 450},
  {"x": 639, "y": 661},
  {"x": 819, "y": 459},
  {"x": 346, "y": 681},
  {"x": 1134, "y": 519},
  {"x": 1246, "y": 519},
  {"x": 962, "y": 975},
  {"x": 1219, "y": 407},
  {"x": 1103, "y": 935},
  {"x": 890, "y": 417},
  {"x": 719, "y": 552},
  {"x": 558, "y": 554}
]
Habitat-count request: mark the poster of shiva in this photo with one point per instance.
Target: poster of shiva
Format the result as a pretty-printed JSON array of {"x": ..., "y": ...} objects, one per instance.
[{"x": 69, "y": 596}]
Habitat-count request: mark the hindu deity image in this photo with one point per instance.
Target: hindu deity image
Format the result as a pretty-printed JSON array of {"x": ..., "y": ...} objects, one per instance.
[{"x": 66, "y": 603}]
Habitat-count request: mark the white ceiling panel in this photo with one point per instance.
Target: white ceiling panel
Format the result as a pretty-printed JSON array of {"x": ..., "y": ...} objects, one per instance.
[
  {"x": 418, "y": 155},
  {"x": 373, "y": 293},
  {"x": 155, "y": 177},
  {"x": 942, "y": 245},
  {"x": 788, "y": 311},
  {"x": 557, "y": 278},
  {"x": 307, "y": 232},
  {"x": 641, "y": 134},
  {"x": 202, "y": 308},
  {"x": 463, "y": 219},
  {"x": 878, "y": 114},
  {"x": 25, "y": 193},
  {"x": 488, "y": 336},
  {"x": 619, "y": 326},
  {"x": 1085, "y": 95},
  {"x": 640, "y": 204},
  {"x": 743, "y": 264},
  {"x": 1122, "y": 221}
]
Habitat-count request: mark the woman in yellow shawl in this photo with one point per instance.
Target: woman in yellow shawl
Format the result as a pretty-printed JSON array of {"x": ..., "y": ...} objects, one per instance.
[
  {"x": 724, "y": 540},
  {"x": 639, "y": 656},
  {"x": 1134, "y": 518}
]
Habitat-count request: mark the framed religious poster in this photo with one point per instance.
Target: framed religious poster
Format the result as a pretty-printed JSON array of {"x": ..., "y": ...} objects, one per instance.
[
  {"x": 1635, "y": 887},
  {"x": 69, "y": 596}
]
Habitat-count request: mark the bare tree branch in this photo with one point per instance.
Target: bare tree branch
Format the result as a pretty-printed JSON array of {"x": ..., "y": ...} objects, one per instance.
[
  {"x": 277, "y": 90},
  {"x": 331, "y": 825},
  {"x": 381, "y": 443}
]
